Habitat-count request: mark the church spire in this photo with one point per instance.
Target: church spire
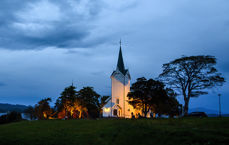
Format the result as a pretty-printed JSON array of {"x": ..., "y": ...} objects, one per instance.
[{"x": 120, "y": 65}]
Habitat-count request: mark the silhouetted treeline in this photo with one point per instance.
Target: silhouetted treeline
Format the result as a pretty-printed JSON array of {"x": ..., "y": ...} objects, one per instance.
[
  {"x": 72, "y": 104},
  {"x": 10, "y": 117}
]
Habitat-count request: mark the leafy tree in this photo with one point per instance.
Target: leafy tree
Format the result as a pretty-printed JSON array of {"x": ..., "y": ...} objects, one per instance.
[
  {"x": 43, "y": 109},
  {"x": 30, "y": 112},
  {"x": 90, "y": 99},
  {"x": 165, "y": 103},
  {"x": 67, "y": 100},
  {"x": 169, "y": 106},
  {"x": 138, "y": 96},
  {"x": 152, "y": 95},
  {"x": 145, "y": 93},
  {"x": 78, "y": 107},
  {"x": 191, "y": 76},
  {"x": 174, "y": 107}
]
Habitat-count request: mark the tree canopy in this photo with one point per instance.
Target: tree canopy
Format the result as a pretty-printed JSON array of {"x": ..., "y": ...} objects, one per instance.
[{"x": 149, "y": 95}]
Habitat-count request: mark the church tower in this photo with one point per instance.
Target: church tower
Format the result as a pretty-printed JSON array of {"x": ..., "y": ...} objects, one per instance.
[{"x": 118, "y": 105}]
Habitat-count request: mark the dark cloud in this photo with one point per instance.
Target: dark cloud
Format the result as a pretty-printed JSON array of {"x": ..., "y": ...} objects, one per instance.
[
  {"x": 7, "y": 9},
  {"x": 21, "y": 28}
]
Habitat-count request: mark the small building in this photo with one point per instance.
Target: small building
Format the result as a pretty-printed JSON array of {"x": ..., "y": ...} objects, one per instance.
[{"x": 118, "y": 105}]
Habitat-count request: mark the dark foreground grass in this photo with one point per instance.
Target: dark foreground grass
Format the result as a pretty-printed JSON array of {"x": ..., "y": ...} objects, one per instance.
[{"x": 195, "y": 131}]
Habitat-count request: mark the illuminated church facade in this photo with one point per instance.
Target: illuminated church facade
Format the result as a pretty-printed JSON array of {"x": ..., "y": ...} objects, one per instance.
[{"x": 118, "y": 105}]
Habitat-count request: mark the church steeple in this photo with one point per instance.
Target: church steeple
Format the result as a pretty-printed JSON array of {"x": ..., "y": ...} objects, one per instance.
[{"x": 120, "y": 65}]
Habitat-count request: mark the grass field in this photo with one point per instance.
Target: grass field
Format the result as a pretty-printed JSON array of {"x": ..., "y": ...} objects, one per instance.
[{"x": 195, "y": 131}]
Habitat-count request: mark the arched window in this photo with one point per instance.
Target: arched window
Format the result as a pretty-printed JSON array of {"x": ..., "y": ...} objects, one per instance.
[{"x": 117, "y": 101}]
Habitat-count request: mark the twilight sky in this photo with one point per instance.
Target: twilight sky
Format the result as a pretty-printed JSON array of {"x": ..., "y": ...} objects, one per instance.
[{"x": 45, "y": 44}]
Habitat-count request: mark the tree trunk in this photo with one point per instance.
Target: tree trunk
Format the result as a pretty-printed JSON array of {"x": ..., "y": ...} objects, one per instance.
[
  {"x": 145, "y": 111},
  {"x": 145, "y": 114},
  {"x": 186, "y": 106}
]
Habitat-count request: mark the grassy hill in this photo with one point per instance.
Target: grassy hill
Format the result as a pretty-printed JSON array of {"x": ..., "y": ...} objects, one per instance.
[{"x": 186, "y": 131}]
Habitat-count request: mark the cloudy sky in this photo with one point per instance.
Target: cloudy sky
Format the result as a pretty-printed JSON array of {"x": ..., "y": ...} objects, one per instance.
[{"x": 45, "y": 44}]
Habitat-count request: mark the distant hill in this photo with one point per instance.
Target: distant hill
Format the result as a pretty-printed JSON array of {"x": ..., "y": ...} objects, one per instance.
[{"x": 9, "y": 107}]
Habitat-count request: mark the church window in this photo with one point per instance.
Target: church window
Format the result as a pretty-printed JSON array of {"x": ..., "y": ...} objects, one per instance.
[{"x": 117, "y": 101}]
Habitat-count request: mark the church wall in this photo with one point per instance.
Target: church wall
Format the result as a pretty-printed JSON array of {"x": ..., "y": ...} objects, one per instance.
[
  {"x": 117, "y": 93},
  {"x": 120, "y": 91}
]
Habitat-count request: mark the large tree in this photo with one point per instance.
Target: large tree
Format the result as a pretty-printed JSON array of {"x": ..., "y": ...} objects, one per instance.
[
  {"x": 191, "y": 76},
  {"x": 148, "y": 95},
  {"x": 90, "y": 99},
  {"x": 69, "y": 102},
  {"x": 138, "y": 96}
]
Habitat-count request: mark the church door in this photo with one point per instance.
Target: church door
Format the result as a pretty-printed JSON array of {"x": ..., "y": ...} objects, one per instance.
[{"x": 115, "y": 112}]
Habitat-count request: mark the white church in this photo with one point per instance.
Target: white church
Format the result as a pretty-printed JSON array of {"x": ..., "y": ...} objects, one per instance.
[{"x": 118, "y": 105}]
